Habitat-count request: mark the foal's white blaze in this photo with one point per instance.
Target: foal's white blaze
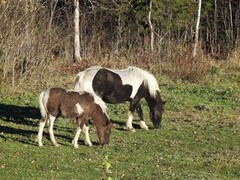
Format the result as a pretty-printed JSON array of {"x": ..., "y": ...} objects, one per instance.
[{"x": 79, "y": 109}]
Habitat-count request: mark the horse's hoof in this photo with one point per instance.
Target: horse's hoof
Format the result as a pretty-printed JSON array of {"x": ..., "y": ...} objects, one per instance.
[
  {"x": 143, "y": 125},
  {"x": 40, "y": 145},
  {"x": 76, "y": 146}
]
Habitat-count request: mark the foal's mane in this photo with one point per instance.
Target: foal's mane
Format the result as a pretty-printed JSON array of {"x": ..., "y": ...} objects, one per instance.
[{"x": 149, "y": 80}]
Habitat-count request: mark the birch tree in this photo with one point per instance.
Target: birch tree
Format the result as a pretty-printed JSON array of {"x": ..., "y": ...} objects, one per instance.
[
  {"x": 77, "y": 55},
  {"x": 151, "y": 26},
  {"x": 197, "y": 27}
]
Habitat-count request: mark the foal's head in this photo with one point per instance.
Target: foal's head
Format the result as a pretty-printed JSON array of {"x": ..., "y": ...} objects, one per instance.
[{"x": 104, "y": 133}]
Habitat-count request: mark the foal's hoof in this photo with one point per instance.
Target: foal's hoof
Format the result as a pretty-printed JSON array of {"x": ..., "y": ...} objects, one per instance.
[
  {"x": 131, "y": 129},
  {"x": 56, "y": 145},
  {"x": 88, "y": 143}
]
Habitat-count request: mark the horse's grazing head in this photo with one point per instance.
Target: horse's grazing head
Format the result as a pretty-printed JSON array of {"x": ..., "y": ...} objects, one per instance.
[
  {"x": 156, "y": 110},
  {"x": 104, "y": 134}
]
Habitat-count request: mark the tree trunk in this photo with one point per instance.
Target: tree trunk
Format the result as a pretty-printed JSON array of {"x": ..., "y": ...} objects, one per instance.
[
  {"x": 77, "y": 56},
  {"x": 151, "y": 26},
  {"x": 197, "y": 28}
]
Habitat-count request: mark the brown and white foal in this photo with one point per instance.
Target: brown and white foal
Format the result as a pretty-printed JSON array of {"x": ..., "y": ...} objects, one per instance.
[{"x": 77, "y": 106}]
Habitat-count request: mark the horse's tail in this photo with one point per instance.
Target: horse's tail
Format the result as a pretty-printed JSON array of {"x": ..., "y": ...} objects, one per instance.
[
  {"x": 78, "y": 81},
  {"x": 42, "y": 104}
]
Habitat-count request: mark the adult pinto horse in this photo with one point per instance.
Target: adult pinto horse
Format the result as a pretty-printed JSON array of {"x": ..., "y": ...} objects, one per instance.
[{"x": 117, "y": 86}]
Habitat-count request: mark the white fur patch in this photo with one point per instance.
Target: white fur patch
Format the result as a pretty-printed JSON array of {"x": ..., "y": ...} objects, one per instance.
[
  {"x": 79, "y": 108},
  {"x": 84, "y": 79}
]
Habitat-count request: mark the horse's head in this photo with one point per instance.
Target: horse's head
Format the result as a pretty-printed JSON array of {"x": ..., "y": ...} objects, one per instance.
[
  {"x": 156, "y": 111},
  {"x": 104, "y": 133}
]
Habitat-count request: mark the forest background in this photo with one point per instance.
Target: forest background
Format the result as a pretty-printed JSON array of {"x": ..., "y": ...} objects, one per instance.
[{"x": 117, "y": 33}]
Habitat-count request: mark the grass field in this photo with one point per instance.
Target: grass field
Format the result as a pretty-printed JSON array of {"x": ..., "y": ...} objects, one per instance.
[{"x": 200, "y": 137}]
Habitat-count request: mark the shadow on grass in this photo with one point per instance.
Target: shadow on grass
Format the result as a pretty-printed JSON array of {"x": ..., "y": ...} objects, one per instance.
[
  {"x": 26, "y": 116},
  {"x": 18, "y": 114},
  {"x": 122, "y": 125},
  {"x": 23, "y": 136}
]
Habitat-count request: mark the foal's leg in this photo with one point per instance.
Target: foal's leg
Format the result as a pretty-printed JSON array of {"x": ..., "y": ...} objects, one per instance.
[
  {"x": 50, "y": 129},
  {"x": 140, "y": 115},
  {"x": 86, "y": 133},
  {"x": 75, "y": 139},
  {"x": 40, "y": 131}
]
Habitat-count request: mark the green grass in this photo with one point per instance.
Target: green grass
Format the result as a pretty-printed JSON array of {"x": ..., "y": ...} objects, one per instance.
[{"x": 200, "y": 137}]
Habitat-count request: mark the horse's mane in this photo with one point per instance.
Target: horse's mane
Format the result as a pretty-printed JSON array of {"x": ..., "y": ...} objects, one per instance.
[{"x": 150, "y": 81}]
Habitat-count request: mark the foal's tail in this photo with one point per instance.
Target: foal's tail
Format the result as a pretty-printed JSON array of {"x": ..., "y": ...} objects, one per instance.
[{"x": 42, "y": 105}]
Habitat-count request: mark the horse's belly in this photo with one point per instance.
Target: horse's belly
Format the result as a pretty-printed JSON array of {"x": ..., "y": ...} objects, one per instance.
[{"x": 118, "y": 95}]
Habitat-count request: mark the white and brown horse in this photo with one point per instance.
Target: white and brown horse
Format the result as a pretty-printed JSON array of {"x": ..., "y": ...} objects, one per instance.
[
  {"x": 77, "y": 106},
  {"x": 117, "y": 86}
]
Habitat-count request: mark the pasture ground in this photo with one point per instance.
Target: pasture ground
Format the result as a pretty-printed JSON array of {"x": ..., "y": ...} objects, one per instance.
[{"x": 200, "y": 137}]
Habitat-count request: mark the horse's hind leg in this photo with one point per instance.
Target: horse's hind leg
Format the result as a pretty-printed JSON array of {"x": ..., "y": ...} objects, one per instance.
[
  {"x": 87, "y": 140},
  {"x": 50, "y": 129},
  {"x": 40, "y": 131},
  {"x": 140, "y": 115}
]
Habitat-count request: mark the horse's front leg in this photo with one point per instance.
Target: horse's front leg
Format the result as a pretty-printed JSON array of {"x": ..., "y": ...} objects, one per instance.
[
  {"x": 133, "y": 106},
  {"x": 50, "y": 129},
  {"x": 75, "y": 139},
  {"x": 140, "y": 115},
  {"x": 87, "y": 140}
]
